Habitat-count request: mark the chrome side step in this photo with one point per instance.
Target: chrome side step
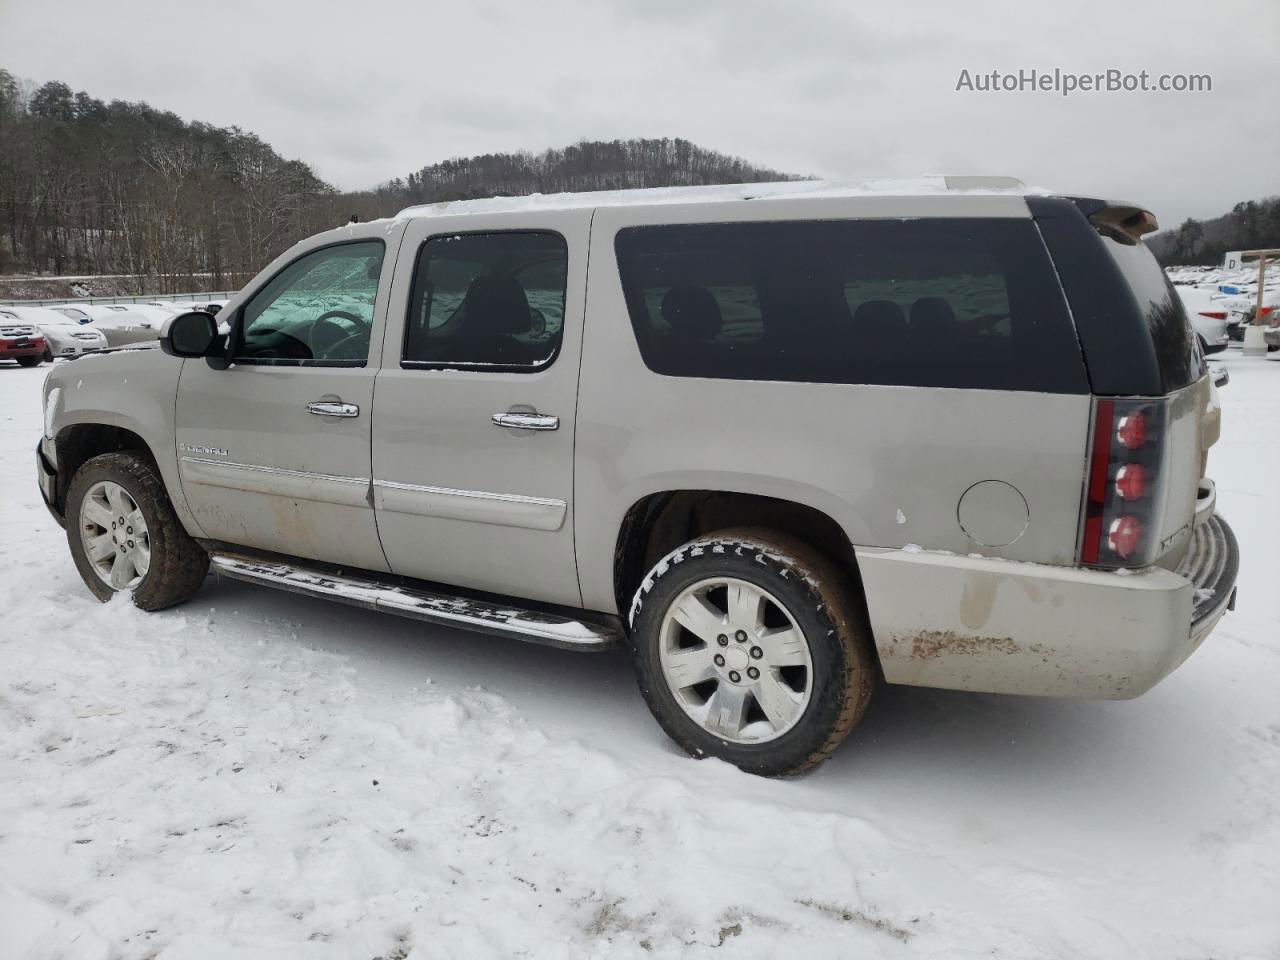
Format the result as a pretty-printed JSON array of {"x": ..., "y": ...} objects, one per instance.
[{"x": 469, "y": 614}]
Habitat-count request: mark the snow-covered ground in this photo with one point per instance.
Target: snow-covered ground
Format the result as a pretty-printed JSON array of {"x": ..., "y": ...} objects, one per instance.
[{"x": 256, "y": 775}]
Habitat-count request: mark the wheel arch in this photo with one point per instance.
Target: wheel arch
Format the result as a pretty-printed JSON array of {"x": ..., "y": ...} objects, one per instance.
[
  {"x": 659, "y": 522},
  {"x": 78, "y": 443}
]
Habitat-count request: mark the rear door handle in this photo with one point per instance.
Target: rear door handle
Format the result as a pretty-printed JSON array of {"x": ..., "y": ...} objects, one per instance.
[
  {"x": 332, "y": 408},
  {"x": 526, "y": 421}
]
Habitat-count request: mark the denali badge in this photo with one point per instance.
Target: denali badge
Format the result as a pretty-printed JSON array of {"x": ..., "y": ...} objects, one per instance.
[{"x": 206, "y": 451}]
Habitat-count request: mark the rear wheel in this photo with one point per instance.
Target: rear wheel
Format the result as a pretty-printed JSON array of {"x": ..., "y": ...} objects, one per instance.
[
  {"x": 29, "y": 361},
  {"x": 124, "y": 534},
  {"x": 748, "y": 648},
  {"x": 48, "y": 355}
]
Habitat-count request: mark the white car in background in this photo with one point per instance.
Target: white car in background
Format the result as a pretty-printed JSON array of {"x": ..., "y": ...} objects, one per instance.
[
  {"x": 1208, "y": 314},
  {"x": 64, "y": 336},
  {"x": 88, "y": 312},
  {"x": 137, "y": 325}
]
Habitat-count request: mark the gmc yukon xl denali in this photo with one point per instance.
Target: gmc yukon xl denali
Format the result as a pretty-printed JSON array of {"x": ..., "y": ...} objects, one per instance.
[{"x": 779, "y": 440}]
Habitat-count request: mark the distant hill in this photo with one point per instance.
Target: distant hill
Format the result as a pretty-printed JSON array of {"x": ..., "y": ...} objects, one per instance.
[
  {"x": 121, "y": 188},
  {"x": 584, "y": 166},
  {"x": 1252, "y": 225}
]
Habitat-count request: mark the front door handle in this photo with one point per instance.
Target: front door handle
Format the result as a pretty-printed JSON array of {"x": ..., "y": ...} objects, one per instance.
[
  {"x": 332, "y": 408},
  {"x": 526, "y": 421}
]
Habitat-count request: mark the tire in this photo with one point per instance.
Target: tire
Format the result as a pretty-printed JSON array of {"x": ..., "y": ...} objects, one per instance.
[
  {"x": 176, "y": 564},
  {"x": 48, "y": 355},
  {"x": 29, "y": 361},
  {"x": 800, "y": 586}
]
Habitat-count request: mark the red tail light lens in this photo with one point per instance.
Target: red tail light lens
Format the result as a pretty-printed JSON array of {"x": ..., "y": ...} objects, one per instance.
[
  {"x": 1124, "y": 489},
  {"x": 1124, "y": 535},
  {"x": 1214, "y": 314},
  {"x": 1132, "y": 430},
  {"x": 1131, "y": 481}
]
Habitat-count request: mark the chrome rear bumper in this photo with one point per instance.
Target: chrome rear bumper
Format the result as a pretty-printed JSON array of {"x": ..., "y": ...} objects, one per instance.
[{"x": 1212, "y": 563}]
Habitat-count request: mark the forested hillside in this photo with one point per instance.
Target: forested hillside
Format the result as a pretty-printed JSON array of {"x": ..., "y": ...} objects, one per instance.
[
  {"x": 88, "y": 187},
  {"x": 1252, "y": 225},
  {"x": 94, "y": 187}
]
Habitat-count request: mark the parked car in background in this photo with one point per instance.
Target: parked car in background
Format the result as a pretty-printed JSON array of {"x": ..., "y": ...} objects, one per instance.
[
  {"x": 137, "y": 327},
  {"x": 19, "y": 341},
  {"x": 78, "y": 314},
  {"x": 64, "y": 336},
  {"x": 779, "y": 441},
  {"x": 1208, "y": 314},
  {"x": 88, "y": 312}
]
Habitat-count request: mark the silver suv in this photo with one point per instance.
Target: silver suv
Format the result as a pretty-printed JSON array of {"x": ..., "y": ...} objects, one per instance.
[{"x": 780, "y": 441}]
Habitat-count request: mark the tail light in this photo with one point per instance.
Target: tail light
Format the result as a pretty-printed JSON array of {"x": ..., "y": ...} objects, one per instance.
[
  {"x": 1214, "y": 314},
  {"x": 1125, "y": 484}
]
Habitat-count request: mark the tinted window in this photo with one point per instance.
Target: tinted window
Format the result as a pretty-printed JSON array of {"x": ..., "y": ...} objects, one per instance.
[
  {"x": 958, "y": 303},
  {"x": 1172, "y": 335},
  {"x": 488, "y": 299},
  {"x": 317, "y": 310}
]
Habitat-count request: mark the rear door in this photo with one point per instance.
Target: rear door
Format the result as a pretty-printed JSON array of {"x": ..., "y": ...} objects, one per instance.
[
  {"x": 473, "y": 431},
  {"x": 273, "y": 452}
]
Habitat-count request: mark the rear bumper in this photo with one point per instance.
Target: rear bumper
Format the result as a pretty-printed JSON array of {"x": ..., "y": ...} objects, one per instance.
[
  {"x": 10, "y": 350},
  {"x": 974, "y": 623}
]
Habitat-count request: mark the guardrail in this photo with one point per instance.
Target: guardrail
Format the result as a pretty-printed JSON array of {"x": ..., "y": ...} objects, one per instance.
[{"x": 145, "y": 298}]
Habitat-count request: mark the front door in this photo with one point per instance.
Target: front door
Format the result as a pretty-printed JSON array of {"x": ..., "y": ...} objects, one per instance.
[
  {"x": 273, "y": 451},
  {"x": 474, "y": 427}
]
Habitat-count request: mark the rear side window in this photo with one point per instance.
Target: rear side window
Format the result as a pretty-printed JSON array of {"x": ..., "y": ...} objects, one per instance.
[
  {"x": 1172, "y": 335},
  {"x": 491, "y": 300},
  {"x": 947, "y": 303}
]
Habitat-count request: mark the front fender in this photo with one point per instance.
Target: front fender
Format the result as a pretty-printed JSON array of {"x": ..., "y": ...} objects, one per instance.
[{"x": 133, "y": 390}]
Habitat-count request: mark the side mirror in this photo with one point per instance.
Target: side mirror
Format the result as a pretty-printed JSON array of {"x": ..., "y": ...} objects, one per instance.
[
  {"x": 213, "y": 308},
  {"x": 1220, "y": 376},
  {"x": 189, "y": 334}
]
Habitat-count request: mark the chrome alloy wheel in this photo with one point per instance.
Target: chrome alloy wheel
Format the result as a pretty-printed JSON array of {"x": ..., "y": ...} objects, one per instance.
[
  {"x": 114, "y": 535},
  {"x": 735, "y": 660}
]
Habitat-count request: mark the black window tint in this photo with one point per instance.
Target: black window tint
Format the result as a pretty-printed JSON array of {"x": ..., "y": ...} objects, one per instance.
[
  {"x": 1172, "y": 335},
  {"x": 489, "y": 299},
  {"x": 956, "y": 303},
  {"x": 317, "y": 310}
]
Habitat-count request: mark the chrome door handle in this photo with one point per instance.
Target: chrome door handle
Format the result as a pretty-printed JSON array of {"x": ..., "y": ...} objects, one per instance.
[
  {"x": 526, "y": 421},
  {"x": 330, "y": 408}
]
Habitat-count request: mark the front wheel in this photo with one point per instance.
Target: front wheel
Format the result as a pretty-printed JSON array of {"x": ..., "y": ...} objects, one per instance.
[
  {"x": 748, "y": 648},
  {"x": 124, "y": 534}
]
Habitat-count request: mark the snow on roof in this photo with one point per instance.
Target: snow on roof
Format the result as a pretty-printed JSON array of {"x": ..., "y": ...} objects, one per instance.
[{"x": 881, "y": 187}]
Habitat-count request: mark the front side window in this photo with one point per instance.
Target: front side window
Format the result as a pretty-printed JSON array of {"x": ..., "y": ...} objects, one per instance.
[
  {"x": 492, "y": 300},
  {"x": 948, "y": 303},
  {"x": 318, "y": 310}
]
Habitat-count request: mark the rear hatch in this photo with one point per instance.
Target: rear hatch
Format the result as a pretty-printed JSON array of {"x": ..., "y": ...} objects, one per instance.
[{"x": 1149, "y": 379}]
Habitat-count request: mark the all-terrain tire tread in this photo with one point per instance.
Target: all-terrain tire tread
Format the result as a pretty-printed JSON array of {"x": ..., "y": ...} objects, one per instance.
[
  {"x": 178, "y": 567},
  {"x": 833, "y": 595}
]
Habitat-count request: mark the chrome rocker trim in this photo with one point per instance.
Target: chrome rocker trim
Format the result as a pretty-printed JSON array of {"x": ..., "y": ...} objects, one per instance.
[{"x": 467, "y": 613}]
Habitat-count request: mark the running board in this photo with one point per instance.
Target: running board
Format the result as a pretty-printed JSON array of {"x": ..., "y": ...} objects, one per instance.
[{"x": 486, "y": 616}]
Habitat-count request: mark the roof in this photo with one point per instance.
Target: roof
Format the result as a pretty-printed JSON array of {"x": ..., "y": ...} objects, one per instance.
[{"x": 908, "y": 187}]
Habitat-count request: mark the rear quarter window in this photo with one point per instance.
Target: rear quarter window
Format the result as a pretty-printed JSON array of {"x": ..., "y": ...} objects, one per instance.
[
  {"x": 1172, "y": 336},
  {"x": 970, "y": 303}
]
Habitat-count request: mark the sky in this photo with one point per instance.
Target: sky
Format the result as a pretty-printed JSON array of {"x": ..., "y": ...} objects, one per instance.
[{"x": 367, "y": 91}]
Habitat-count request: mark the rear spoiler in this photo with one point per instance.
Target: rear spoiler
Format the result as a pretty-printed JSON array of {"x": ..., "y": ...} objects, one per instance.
[{"x": 1123, "y": 222}]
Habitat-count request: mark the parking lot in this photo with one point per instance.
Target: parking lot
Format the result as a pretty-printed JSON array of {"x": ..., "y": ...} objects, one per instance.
[{"x": 257, "y": 775}]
